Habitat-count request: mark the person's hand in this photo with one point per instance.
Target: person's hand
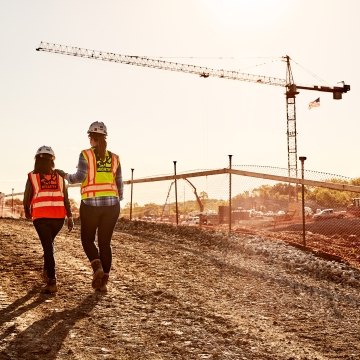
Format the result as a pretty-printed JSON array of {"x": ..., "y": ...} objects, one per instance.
[
  {"x": 70, "y": 223},
  {"x": 62, "y": 173}
]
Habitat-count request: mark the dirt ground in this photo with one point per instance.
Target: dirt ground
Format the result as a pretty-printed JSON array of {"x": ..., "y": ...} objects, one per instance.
[{"x": 182, "y": 293}]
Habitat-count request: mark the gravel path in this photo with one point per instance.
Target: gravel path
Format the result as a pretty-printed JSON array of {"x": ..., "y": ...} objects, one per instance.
[{"x": 177, "y": 293}]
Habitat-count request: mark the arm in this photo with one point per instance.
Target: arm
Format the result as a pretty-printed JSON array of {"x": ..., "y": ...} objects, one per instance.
[
  {"x": 70, "y": 221},
  {"x": 119, "y": 182},
  {"x": 81, "y": 172},
  {"x": 67, "y": 201},
  {"x": 28, "y": 194}
]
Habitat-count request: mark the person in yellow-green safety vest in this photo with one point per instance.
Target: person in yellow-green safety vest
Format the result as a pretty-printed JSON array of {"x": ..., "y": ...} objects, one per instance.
[
  {"x": 99, "y": 172},
  {"x": 47, "y": 204}
]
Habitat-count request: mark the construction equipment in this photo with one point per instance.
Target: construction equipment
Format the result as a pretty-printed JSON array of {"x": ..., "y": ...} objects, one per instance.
[
  {"x": 198, "y": 200},
  {"x": 205, "y": 72},
  {"x": 201, "y": 205}
]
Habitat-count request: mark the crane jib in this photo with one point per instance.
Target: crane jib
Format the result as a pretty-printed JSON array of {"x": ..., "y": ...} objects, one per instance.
[{"x": 205, "y": 72}]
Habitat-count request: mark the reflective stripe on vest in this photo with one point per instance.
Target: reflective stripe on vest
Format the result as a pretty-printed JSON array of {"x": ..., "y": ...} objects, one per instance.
[
  {"x": 48, "y": 198},
  {"x": 99, "y": 183}
]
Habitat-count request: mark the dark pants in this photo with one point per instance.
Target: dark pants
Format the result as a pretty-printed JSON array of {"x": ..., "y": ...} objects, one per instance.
[
  {"x": 100, "y": 219},
  {"x": 47, "y": 230}
]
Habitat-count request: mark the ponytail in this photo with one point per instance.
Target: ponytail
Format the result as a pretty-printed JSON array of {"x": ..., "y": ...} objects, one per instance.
[{"x": 101, "y": 144}]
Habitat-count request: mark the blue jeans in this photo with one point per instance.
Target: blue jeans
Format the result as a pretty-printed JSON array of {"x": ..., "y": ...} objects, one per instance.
[
  {"x": 47, "y": 230},
  {"x": 100, "y": 219}
]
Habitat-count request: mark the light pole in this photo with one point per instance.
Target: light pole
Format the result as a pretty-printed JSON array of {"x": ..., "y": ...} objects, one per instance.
[
  {"x": 12, "y": 201},
  {"x": 176, "y": 199},
  {"x": 2, "y": 200},
  {"x": 302, "y": 159},
  {"x": 230, "y": 217},
  {"x": 131, "y": 193}
]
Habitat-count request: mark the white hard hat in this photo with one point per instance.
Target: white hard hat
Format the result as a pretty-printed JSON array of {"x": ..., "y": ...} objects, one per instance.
[
  {"x": 45, "y": 150},
  {"x": 97, "y": 127}
]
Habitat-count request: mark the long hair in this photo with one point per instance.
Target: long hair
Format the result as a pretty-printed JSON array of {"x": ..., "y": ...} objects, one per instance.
[
  {"x": 101, "y": 144},
  {"x": 44, "y": 164}
]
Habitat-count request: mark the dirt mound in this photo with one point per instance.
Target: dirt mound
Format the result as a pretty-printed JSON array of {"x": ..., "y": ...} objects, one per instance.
[
  {"x": 177, "y": 293},
  {"x": 334, "y": 239}
]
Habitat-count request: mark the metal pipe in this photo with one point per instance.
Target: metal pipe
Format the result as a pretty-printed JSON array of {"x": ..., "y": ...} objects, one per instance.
[
  {"x": 131, "y": 193},
  {"x": 176, "y": 199},
  {"x": 230, "y": 217},
  {"x": 302, "y": 159}
]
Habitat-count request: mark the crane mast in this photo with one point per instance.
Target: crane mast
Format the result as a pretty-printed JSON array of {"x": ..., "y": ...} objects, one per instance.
[
  {"x": 205, "y": 72},
  {"x": 291, "y": 132}
]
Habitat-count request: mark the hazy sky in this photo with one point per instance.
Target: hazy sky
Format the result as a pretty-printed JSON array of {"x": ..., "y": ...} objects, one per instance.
[{"x": 156, "y": 116}]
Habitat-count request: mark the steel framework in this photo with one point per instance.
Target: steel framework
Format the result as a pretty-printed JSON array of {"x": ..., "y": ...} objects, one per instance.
[{"x": 205, "y": 72}]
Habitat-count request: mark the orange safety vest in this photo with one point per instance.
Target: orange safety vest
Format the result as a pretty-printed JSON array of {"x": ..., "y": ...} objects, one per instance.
[
  {"x": 101, "y": 175},
  {"x": 48, "y": 196}
]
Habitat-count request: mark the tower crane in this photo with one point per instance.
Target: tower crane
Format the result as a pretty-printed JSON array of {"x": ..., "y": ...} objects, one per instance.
[{"x": 292, "y": 89}]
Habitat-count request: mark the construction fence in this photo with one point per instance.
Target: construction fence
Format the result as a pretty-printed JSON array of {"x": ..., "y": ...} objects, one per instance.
[{"x": 247, "y": 197}]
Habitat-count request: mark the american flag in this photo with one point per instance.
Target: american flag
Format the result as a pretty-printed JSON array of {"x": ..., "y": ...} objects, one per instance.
[{"x": 315, "y": 103}]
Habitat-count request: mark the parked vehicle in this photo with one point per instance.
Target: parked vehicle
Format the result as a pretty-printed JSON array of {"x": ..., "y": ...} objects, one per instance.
[
  {"x": 191, "y": 221},
  {"x": 328, "y": 214}
]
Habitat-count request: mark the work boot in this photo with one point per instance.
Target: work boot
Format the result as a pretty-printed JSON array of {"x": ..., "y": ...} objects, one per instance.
[
  {"x": 98, "y": 273},
  {"x": 50, "y": 287},
  {"x": 104, "y": 281}
]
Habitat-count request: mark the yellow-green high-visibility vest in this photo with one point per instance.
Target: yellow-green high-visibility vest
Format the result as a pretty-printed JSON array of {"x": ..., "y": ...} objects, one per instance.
[{"x": 101, "y": 175}]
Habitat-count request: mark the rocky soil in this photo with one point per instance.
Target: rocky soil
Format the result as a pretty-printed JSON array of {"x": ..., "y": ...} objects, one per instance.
[{"x": 183, "y": 293}]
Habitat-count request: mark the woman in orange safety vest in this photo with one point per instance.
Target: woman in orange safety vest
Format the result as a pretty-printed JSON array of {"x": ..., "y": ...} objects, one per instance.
[
  {"x": 46, "y": 202},
  {"x": 99, "y": 172}
]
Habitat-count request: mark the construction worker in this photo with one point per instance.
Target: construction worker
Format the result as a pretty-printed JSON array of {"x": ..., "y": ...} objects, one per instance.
[
  {"x": 99, "y": 172},
  {"x": 46, "y": 202}
]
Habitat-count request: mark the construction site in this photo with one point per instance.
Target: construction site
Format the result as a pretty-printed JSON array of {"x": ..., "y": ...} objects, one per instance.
[
  {"x": 182, "y": 293},
  {"x": 232, "y": 262},
  {"x": 194, "y": 285}
]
